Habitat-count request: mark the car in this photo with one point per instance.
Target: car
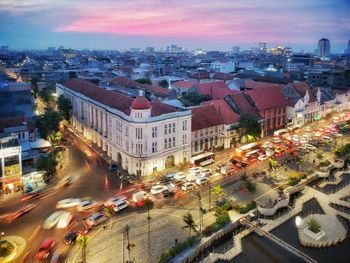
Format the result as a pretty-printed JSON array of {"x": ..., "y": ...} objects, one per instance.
[
  {"x": 86, "y": 205},
  {"x": 24, "y": 210},
  {"x": 179, "y": 176},
  {"x": 262, "y": 157},
  {"x": 45, "y": 249},
  {"x": 195, "y": 169},
  {"x": 188, "y": 186},
  {"x": 303, "y": 149},
  {"x": 120, "y": 205},
  {"x": 112, "y": 167},
  {"x": 206, "y": 172},
  {"x": 158, "y": 189},
  {"x": 168, "y": 193},
  {"x": 267, "y": 145},
  {"x": 68, "y": 203},
  {"x": 113, "y": 199},
  {"x": 202, "y": 181},
  {"x": 304, "y": 140},
  {"x": 52, "y": 220},
  {"x": 71, "y": 237},
  {"x": 276, "y": 140},
  {"x": 327, "y": 139},
  {"x": 191, "y": 177},
  {"x": 170, "y": 175},
  {"x": 96, "y": 219},
  {"x": 64, "y": 220},
  {"x": 139, "y": 196},
  {"x": 57, "y": 257},
  {"x": 310, "y": 147}
]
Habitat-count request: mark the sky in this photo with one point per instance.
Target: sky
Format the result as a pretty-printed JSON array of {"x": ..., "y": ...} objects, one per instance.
[{"x": 211, "y": 25}]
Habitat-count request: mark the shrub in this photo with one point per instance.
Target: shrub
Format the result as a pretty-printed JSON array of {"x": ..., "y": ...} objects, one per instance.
[
  {"x": 250, "y": 186},
  {"x": 6, "y": 248},
  {"x": 325, "y": 163},
  {"x": 170, "y": 253},
  {"x": 245, "y": 209}
]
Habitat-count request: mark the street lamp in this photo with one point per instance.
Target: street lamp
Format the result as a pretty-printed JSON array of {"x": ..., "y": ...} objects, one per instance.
[{"x": 1, "y": 237}]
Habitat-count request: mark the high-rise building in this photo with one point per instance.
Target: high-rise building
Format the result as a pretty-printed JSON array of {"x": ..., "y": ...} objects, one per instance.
[
  {"x": 324, "y": 48},
  {"x": 262, "y": 45},
  {"x": 235, "y": 50},
  {"x": 149, "y": 50}
]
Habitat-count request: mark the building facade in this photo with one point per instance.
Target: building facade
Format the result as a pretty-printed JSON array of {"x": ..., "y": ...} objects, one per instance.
[
  {"x": 143, "y": 137},
  {"x": 324, "y": 48}
]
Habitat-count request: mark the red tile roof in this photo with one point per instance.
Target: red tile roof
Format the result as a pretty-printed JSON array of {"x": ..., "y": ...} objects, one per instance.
[
  {"x": 183, "y": 84},
  {"x": 12, "y": 122},
  {"x": 201, "y": 75},
  {"x": 140, "y": 103},
  {"x": 268, "y": 97},
  {"x": 112, "y": 99},
  {"x": 222, "y": 76},
  {"x": 251, "y": 84},
  {"x": 205, "y": 116},
  {"x": 302, "y": 87},
  {"x": 216, "y": 90},
  {"x": 228, "y": 116},
  {"x": 244, "y": 106}
]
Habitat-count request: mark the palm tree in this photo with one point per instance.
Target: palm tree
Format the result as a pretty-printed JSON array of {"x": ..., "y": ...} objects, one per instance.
[
  {"x": 109, "y": 211},
  {"x": 218, "y": 191},
  {"x": 82, "y": 241},
  {"x": 190, "y": 224}
]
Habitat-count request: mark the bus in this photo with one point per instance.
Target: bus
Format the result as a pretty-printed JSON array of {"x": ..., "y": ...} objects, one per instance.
[
  {"x": 203, "y": 159},
  {"x": 248, "y": 148}
]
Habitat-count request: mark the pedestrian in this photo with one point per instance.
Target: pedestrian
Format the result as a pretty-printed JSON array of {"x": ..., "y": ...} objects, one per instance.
[{"x": 175, "y": 241}]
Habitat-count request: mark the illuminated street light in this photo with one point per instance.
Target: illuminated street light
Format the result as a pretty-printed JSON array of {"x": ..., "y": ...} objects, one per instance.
[{"x": 298, "y": 221}]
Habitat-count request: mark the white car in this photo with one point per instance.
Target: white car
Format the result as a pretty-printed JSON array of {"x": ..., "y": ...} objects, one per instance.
[
  {"x": 52, "y": 220},
  {"x": 139, "y": 196},
  {"x": 262, "y": 157},
  {"x": 304, "y": 140},
  {"x": 65, "y": 218},
  {"x": 188, "y": 186},
  {"x": 85, "y": 205},
  {"x": 67, "y": 203},
  {"x": 195, "y": 169},
  {"x": 310, "y": 147},
  {"x": 96, "y": 219},
  {"x": 158, "y": 189},
  {"x": 267, "y": 145},
  {"x": 113, "y": 199},
  {"x": 269, "y": 152},
  {"x": 120, "y": 205},
  {"x": 276, "y": 140},
  {"x": 206, "y": 172},
  {"x": 202, "y": 181},
  {"x": 179, "y": 176},
  {"x": 191, "y": 177}
]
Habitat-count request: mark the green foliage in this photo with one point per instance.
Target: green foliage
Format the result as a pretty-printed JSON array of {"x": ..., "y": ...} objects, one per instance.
[
  {"x": 222, "y": 218},
  {"x": 64, "y": 106},
  {"x": 48, "y": 123},
  {"x": 325, "y": 163},
  {"x": 144, "y": 81},
  {"x": 47, "y": 164},
  {"x": 6, "y": 248},
  {"x": 170, "y": 253},
  {"x": 164, "y": 84},
  {"x": 250, "y": 125},
  {"x": 218, "y": 191},
  {"x": 245, "y": 209},
  {"x": 314, "y": 226},
  {"x": 244, "y": 177},
  {"x": 190, "y": 224},
  {"x": 193, "y": 99},
  {"x": 251, "y": 187},
  {"x": 342, "y": 150},
  {"x": 293, "y": 181}
]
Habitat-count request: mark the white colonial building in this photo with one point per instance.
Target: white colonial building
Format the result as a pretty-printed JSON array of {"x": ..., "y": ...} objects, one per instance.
[
  {"x": 223, "y": 66},
  {"x": 141, "y": 136}
]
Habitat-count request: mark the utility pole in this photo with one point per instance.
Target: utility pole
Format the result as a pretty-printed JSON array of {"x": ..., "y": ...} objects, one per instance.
[
  {"x": 200, "y": 209},
  {"x": 123, "y": 235},
  {"x": 209, "y": 199}
]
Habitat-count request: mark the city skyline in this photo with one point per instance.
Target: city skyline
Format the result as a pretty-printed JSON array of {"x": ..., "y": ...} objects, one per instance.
[{"x": 212, "y": 26}]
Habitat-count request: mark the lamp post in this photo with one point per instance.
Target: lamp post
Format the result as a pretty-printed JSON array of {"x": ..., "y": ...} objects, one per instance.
[{"x": 1, "y": 237}]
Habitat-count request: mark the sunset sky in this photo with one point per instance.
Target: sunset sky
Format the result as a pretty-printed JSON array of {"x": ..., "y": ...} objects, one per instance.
[{"x": 213, "y": 25}]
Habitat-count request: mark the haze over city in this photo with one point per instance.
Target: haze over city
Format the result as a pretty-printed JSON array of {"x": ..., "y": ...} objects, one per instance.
[{"x": 217, "y": 25}]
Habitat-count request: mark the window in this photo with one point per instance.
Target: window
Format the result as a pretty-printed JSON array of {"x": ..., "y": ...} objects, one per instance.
[
  {"x": 169, "y": 143},
  {"x": 184, "y": 125},
  {"x": 165, "y": 144},
  {"x": 173, "y": 141},
  {"x": 127, "y": 146},
  {"x": 169, "y": 130},
  {"x": 174, "y": 128},
  {"x": 166, "y": 129},
  {"x": 154, "y": 132},
  {"x": 126, "y": 131},
  {"x": 139, "y": 133},
  {"x": 154, "y": 147},
  {"x": 139, "y": 148},
  {"x": 184, "y": 139}
]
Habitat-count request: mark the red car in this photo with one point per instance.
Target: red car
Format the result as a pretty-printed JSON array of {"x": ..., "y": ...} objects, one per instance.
[{"x": 45, "y": 249}]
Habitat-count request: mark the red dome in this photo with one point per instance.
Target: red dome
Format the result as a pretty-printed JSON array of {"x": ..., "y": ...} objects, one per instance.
[{"x": 140, "y": 103}]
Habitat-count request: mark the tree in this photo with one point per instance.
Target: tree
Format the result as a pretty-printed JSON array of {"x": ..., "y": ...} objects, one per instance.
[
  {"x": 164, "y": 84},
  {"x": 109, "y": 211},
  {"x": 54, "y": 139},
  {"x": 244, "y": 177},
  {"x": 250, "y": 125},
  {"x": 319, "y": 156},
  {"x": 47, "y": 164},
  {"x": 314, "y": 225},
  {"x": 218, "y": 191},
  {"x": 64, "y": 106},
  {"x": 48, "y": 123},
  {"x": 193, "y": 98},
  {"x": 82, "y": 241},
  {"x": 144, "y": 81},
  {"x": 190, "y": 224},
  {"x": 35, "y": 89},
  {"x": 273, "y": 165}
]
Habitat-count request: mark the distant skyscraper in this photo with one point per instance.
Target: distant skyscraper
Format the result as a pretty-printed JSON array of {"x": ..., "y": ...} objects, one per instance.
[
  {"x": 324, "y": 48},
  {"x": 149, "y": 49},
  {"x": 235, "y": 50},
  {"x": 262, "y": 45}
]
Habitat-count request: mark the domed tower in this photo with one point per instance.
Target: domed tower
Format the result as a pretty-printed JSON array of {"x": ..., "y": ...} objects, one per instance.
[{"x": 140, "y": 108}]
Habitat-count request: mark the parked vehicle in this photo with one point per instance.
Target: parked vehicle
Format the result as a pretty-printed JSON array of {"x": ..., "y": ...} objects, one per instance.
[
  {"x": 120, "y": 205},
  {"x": 179, "y": 176},
  {"x": 112, "y": 167},
  {"x": 158, "y": 189},
  {"x": 45, "y": 249},
  {"x": 64, "y": 220},
  {"x": 310, "y": 147},
  {"x": 191, "y": 177},
  {"x": 113, "y": 199},
  {"x": 202, "y": 181},
  {"x": 52, "y": 220},
  {"x": 67, "y": 203},
  {"x": 57, "y": 257},
  {"x": 96, "y": 219},
  {"x": 188, "y": 186},
  {"x": 139, "y": 196},
  {"x": 168, "y": 193},
  {"x": 262, "y": 157}
]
